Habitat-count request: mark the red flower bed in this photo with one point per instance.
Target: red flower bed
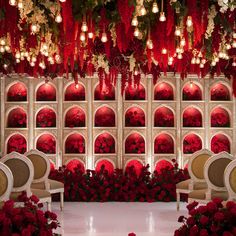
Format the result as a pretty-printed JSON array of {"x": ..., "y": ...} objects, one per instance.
[
  {"x": 104, "y": 143},
  {"x": 191, "y": 144},
  {"x": 135, "y": 144},
  {"x": 75, "y": 93},
  {"x": 26, "y": 220},
  {"x": 134, "y": 117},
  {"x": 75, "y": 143},
  {"x": 220, "y": 92},
  {"x": 17, "y": 93},
  {"x": 210, "y": 219},
  {"x": 75, "y": 117},
  {"x": 164, "y": 144},
  {"x": 16, "y": 118},
  {"x": 47, "y": 144},
  {"x": 220, "y": 118},
  {"x": 46, "y": 92},
  {"x": 192, "y": 92},
  {"x": 46, "y": 117},
  {"x": 120, "y": 185},
  {"x": 16, "y": 143},
  {"x": 137, "y": 93},
  {"x": 164, "y": 117},
  {"x": 192, "y": 118},
  {"x": 105, "y": 117},
  {"x": 163, "y": 91},
  {"x": 105, "y": 93},
  {"x": 220, "y": 143}
]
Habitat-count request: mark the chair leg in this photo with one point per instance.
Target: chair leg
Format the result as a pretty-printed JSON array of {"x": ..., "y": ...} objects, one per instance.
[
  {"x": 177, "y": 199},
  {"x": 61, "y": 200}
]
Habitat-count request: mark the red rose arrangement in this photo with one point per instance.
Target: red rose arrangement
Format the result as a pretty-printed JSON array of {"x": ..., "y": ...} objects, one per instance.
[
  {"x": 46, "y": 118},
  {"x": 120, "y": 185},
  {"x": 104, "y": 94},
  {"x": 104, "y": 143},
  {"x": 75, "y": 117},
  {"x": 16, "y": 143},
  {"x": 134, "y": 117},
  {"x": 137, "y": 93},
  {"x": 192, "y": 92},
  {"x": 26, "y": 220},
  {"x": 163, "y": 144},
  {"x": 220, "y": 119},
  {"x": 220, "y": 93},
  {"x": 164, "y": 117},
  {"x": 17, "y": 118},
  {"x": 210, "y": 219},
  {"x": 192, "y": 118},
  {"x": 220, "y": 143},
  {"x": 17, "y": 93},
  {"x": 75, "y": 93},
  {"x": 191, "y": 144},
  {"x": 46, "y": 92},
  {"x": 75, "y": 144},
  {"x": 105, "y": 117},
  {"x": 47, "y": 144},
  {"x": 135, "y": 144},
  {"x": 164, "y": 92}
]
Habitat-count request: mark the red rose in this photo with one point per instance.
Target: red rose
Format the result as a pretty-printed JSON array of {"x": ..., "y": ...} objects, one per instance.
[
  {"x": 203, "y": 232},
  {"x": 219, "y": 216},
  {"x": 204, "y": 220}
]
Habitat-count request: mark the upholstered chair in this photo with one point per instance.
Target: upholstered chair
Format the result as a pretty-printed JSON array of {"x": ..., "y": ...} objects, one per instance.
[
  {"x": 196, "y": 171},
  {"x": 230, "y": 180},
  {"x": 214, "y": 174},
  {"x": 6, "y": 182},
  {"x": 23, "y": 171},
  {"x": 41, "y": 165}
]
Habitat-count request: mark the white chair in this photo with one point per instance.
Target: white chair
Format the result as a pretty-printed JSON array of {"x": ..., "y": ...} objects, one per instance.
[
  {"x": 41, "y": 166},
  {"x": 23, "y": 171},
  {"x": 196, "y": 171},
  {"x": 230, "y": 180}
]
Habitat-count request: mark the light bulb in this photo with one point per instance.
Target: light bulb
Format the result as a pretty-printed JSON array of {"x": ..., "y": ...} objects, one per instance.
[
  {"x": 191, "y": 84},
  {"x": 17, "y": 55},
  {"x": 34, "y": 28},
  {"x": 134, "y": 21},
  {"x": 45, "y": 46},
  {"x": 20, "y": 5},
  {"x": 84, "y": 27},
  {"x": 162, "y": 17},
  {"x": 213, "y": 63},
  {"x": 90, "y": 35},
  {"x": 150, "y": 44},
  {"x": 12, "y": 2},
  {"x": 234, "y": 35},
  {"x": 234, "y": 64},
  {"x": 193, "y": 61},
  {"x": 32, "y": 64},
  {"x": 26, "y": 54},
  {"x": 170, "y": 63},
  {"x": 136, "y": 32},
  {"x": 198, "y": 60},
  {"x": 2, "y": 42},
  {"x": 216, "y": 59},
  {"x": 201, "y": 65},
  {"x": 171, "y": 59},
  {"x": 104, "y": 37},
  {"x": 17, "y": 60},
  {"x": 58, "y": 59},
  {"x": 155, "y": 8},
  {"x": 178, "y": 50},
  {"x": 234, "y": 44},
  {"x": 42, "y": 65},
  {"x": 182, "y": 42},
  {"x": 189, "y": 22},
  {"x": 164, "y": 51},
  {"x": 58, "y": 18},
  {"x": 82, "y": 36},
  {"x": 7, "y": 48},
  {"x": 5, "y": 66},
  {"x": 203, "y": 61},
  {"x": 135, "y": 71},
  {"x": 76, "y": 85},
  {"x": 2, "y": 49},
  {"x": 34, "y": 59},
  {"x": 228, "y": 46},
  {"x": 62, "y": 0},
  {"x": 221, "y": 54},
  {"x": 180, "y": 56},
  {"x": 177, "y": 31},
  {"x": 143, "y": 11}
]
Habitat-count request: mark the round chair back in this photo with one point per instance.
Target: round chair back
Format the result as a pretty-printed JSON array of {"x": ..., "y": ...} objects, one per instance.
[
  {"x": 6, "y": 182},
  {"x": 230, "y": 179}
]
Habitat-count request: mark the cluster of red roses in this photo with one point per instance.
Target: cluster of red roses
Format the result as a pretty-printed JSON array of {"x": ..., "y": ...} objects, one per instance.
[
  {"x": 47, "y": 146},
  {"x": 105, "y": 94},
  {"x": 75, "y": 117},
  {"x": 192, "y": 119},
  {"x": 164, "y": 119},
  {"x": 163, "y": 145},
  {"x": 27, "y": 220},
  {"x": 105, "y": 144},
  {"x": 164, "y": 94},
  {"x": 134, "y": 117},
  {"x": 46, "y": 94},
  {"x": 46, "y": 118},
  {"x": 75, "y": 145},
  {"x": 120, "y": 185},
  {"x": 105, "y": 119},
  {"x": 220, "y": 94},
  {"x": 210, "y": 219},
  {"x": 135, "y": 93},
  {"x": 192, "y": 94},
  {"x": 191, "y": 144},
  {"x": 135, "y": 144},
  {"x": 220, "y": 144},
  {"x": 17, "y": 119},
  {"x": 16, "y": 143},
  {"x": 220, "y": 119},
  {"x": 17, "y": 93},
  {"x": 75, "y": 94}
]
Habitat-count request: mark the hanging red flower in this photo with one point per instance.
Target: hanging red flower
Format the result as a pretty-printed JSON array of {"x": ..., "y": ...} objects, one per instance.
[
  {"x": 46, "y": 117},
  {"x": 135, "y": 144},
  {"x": 104, "y": 143},
  {"x": 134, "y": 117}
]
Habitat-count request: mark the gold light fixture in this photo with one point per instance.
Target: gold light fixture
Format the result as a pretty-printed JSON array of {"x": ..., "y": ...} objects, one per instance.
[
  {"x": 162, "y": 17},
  {"x": 155, "y": 8},
  {"x": 189, "y": 21},
  {"x": 177, "y": 31},
  {"x": 104, "y": 37},
  {"x": 82, "y": 36},
  {"x": 84, "y": 27},
  {"x": 143, "y": 11},
  {"x": 12, "y": 2},
  {"x": 58, "y": 18}
]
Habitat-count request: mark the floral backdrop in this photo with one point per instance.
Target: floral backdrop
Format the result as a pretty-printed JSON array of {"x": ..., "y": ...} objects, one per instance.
[
  {"x": 46, "y": 143},
  {"x": 135, "y": 143},
  {"x": 16, "y": 143},
  {"x": 46, "y": 117},
  {"x": 163, "y": 117},
  {"x": 75, "y": 143},
  {"x": 164, "y": 144},
  {"x": 192, "y": 92},
  {"x": 46, "y": 92},
  {"x": 17, "y": 92},
  {"x": 134, "y": 117},
  {"x": 191, "y": 144},
  {"x": 220, "y": 92},
  {"x": 192, "y": 117},
  {"x": 220, "y": 118},
  {"x": 135, "y": 93},
  {"x": 104, "y": 93},
  {"x": 75, "y": 117},
  {"x": 75, "y": 92},
  {"x": 104, "y": 143},
  {"x": 104, "y": 117},
  {"x": 17, "y": 118},
  {"x": 220, "y": 143},
  {"x": 164, "y": 91}
]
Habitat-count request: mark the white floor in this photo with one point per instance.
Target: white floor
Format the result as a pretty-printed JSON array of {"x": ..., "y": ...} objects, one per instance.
[{"x": 118, "y": 219}]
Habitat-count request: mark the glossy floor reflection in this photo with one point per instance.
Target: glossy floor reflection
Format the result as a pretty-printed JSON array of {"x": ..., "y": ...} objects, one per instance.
[{"x": 118, "y": 219}]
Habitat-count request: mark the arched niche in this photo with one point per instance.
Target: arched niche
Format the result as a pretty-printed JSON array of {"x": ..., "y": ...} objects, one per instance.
[
  {"x": 17, "y": 93},
  {"x": 75, "y": 92},
  {"x": 192, "y": 117},
  {"x": 17, "y": 118},
  {"x": 192, "y": 91},
  {"x": 220, "y": 92},
  {"x": 104, "y": 117},
  {"x": 107, "y": 165},
  {"x": 75, "y": 143},
  {"x": 191, "y": 143},
  {"x": 163, "y": 165},
  {"x": 104, "y": 93},
  {"x": 220, "y": 143},
  {"x": 46, "y": 143},
  {"x": 17, "y": 143},
  {"x": 46, "y": 92},
  {"x": 75, "y": 164},
  {"x": 52, "y": 166},
  {"x": 136, "y": 164},
  {"x": 46, "y": 117},
  {"x": 135, "y": 93},
  {"x": 220, "y": 117},
  {"x": 135, "y": 143},
  {"x": 163, "y": 91},
  {"x": 104, "y": 143},
  {"x": 164, "y": 143},
  {"x": 75, "y": 117},
  {"x": 164, "y": 117},
  {"x": 134, "y": 117}
]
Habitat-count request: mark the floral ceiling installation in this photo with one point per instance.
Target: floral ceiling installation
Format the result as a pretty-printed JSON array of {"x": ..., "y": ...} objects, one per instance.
[{"x": 124, "y": 37}]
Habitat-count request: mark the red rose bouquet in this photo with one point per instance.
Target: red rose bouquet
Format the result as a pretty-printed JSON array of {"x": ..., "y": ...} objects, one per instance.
[
  {"x": 163, "y": 145},
  {"x": 134, "y": 117},
  {"x": 164, "y": 117},
  {"x": 220, "y": 119},
  {"x": 75, "y": 144},
  {"x": 135, "y": 144},
  {"x": 46, "y": 118},
  {"x": 75, "y": 117},
  {"x": 219, "y": 93},
  {"x": 17, "y": 119},
  {"x": 192, "y": 118},
  {"x": 16, "y": 143},
  {"x": 211, "y": 219},
  {"x": 219, "y": 144},
  {"x": 46, "y": 144},
  {"x": 192, "y": 93},
  {"x": 191, "y": 144},
  {"x": 164, "y": 93},
  {"x": 104, "y": 143},
  {"x": 137, "y": 93}
]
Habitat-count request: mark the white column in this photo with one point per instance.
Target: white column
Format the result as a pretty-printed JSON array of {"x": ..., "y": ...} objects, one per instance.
[
  {"x": 31, "y": 119},
  {"x": 2, "y": 125},
  {"x": 206, "y": 88},
  {"x": 234, "y": 123}
]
